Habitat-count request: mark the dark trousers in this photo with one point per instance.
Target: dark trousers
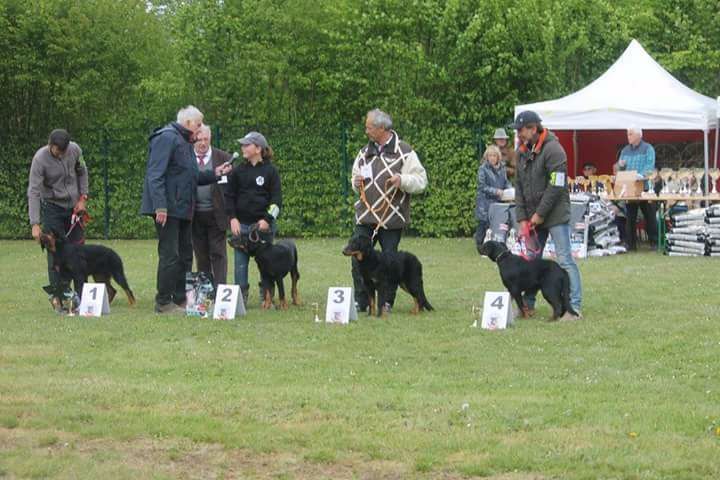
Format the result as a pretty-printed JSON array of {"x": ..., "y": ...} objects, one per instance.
[
  {"x": 480, "y": 233},
  {"x": 389, "y": 241},
  {"x": 648, "y": 210},
  {"x": 174, "y": 259},
  {"x": 57, "y": 220},
  {"x": 208, "y": 241}
]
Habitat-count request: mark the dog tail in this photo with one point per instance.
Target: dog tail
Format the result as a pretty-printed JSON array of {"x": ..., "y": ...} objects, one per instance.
[
  {"x": 119, "y": 276},
  {"x": 566, "y": 294}
]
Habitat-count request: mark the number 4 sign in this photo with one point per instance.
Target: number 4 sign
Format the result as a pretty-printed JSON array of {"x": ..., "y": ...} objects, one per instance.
[
  {"x": 228, "y": 302},
  {"x": 340, "y": 305},
  {"x": 497, "y": 311},
  {"x": 94, "y": 301}
]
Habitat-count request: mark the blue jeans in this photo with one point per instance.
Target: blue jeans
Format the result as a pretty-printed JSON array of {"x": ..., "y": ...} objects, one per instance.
[
  {"x": 242, "y": 259},
  {"x": 561, "y": 236}
]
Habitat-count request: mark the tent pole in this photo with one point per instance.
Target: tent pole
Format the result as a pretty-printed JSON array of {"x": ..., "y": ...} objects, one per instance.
[
  {"x": 707, "y": 155},
  {"x": 575, "y": 153},
  {"x": 717, "y": 130}
]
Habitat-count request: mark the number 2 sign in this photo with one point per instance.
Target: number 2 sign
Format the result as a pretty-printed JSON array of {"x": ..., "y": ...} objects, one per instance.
[
  {"x": 497, "y": 311},
  {"x": 228, "y": 302},
  {"x": 340, "y": 305}
]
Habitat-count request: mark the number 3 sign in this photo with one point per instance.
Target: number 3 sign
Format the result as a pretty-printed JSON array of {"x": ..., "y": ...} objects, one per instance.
[
  {"x": 340, "y": 305},
  {"x": 497, "y": 313},
  {"x": 228, "y": 302}
]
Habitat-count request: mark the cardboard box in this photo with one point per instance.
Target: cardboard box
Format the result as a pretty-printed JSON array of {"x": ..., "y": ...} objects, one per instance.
[{"x": 629, "y": 180}]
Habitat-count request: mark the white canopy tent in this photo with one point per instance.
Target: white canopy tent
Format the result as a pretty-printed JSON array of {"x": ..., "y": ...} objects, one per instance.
[{"x": 635, "y": 90}]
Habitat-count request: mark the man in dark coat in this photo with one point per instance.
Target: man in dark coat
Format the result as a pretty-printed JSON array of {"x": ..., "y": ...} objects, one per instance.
[
  {"x": 542, "y": 197},
  {"x": 210, "y": 223},
  {"x": 169, "y": 192}
]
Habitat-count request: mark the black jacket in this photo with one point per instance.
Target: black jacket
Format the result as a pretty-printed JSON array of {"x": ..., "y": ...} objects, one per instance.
[
  {"x": 172, "y": 174},
  {"x": 252, "y": 191},
  {"x": 541, "y": 182}
]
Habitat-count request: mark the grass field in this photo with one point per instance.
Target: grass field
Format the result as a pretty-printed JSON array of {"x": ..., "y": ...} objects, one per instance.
[{"x": 630, "y": 392}]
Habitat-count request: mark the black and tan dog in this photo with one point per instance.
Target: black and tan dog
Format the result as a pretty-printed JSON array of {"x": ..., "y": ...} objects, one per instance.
[
  {"x": 384, "y": 272},
  {"x": 75, "y": 262},
  {"x": 274, "y": 261},
  {"x": 528, "y": 276}
]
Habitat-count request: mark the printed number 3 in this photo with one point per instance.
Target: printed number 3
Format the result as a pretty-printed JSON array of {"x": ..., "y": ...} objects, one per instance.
[
  {"x": 497, "y": 303},
  {"x": 339, "y": 296}
]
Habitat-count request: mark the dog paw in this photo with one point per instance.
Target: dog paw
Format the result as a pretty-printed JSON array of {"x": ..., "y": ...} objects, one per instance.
[{"x": 283, "y": 305}]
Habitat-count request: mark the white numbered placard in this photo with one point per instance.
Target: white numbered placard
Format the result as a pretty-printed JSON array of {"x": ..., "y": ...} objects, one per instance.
[
  {"x": 228, "y": 302},
  {"x": 94, "y": 300},
  {"x": 497, "y": 311},
  {"x": 340, "y": 305}
]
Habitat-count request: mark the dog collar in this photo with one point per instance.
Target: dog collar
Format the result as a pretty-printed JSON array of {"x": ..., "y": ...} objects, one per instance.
[{"x": 501, "y": 255}]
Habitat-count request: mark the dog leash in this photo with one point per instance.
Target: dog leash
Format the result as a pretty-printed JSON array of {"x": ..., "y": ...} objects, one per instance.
[{"x": 381, "y": 217}]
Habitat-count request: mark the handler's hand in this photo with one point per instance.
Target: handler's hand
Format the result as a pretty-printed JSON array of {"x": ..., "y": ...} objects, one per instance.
[
  {"x": 394, "y": 181},
  {"x": 161, "y": 218},
  {"x": 36, "y": 232},
  {"x": 79, "y": 206},
  {"x": 536, "y": 219},
  {"x": 357, "y": 180},
  {"x": 499, "y": 192},
  {"x": 223, "y": 169},
  {"x": 523, "y": 225},
  {"x": 235, "y": 226},
  {"x": 263, "y": 225}
]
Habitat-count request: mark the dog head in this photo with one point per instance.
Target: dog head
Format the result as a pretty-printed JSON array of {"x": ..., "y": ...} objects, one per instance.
[
  {"x": 251, "y": 242},
  {"x": 359, "y": 246},
  {"x": 49, "y": 241},
  {"x": 492, "y": 249}
]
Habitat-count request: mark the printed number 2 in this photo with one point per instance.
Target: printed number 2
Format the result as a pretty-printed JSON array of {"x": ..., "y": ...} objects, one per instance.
[
  {"x": 497, "y": 303},
  {"x": 94, "y": 292},
  {"x": 226, "y": 297},
  {"x": 339, "y": 296}
]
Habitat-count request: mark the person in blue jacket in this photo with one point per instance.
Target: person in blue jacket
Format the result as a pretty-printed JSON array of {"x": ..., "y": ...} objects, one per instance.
[
  {"x": 171, "y": 181},
  {"x": 492, "y": 180}
]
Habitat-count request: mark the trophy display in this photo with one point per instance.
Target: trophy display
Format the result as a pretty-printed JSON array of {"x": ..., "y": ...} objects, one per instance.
[
  {"x": 666, "y": 174},
  {"x": 714, "y": 174}
]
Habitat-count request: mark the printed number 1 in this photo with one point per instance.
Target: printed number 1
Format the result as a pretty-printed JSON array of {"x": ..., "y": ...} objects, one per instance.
[
  {"x": 339, "y": 296},
  {"x": 93, "y": 291},
  {"x": 497, "y": 303}
]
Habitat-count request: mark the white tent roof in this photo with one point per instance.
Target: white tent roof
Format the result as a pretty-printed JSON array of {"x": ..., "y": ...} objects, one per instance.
[{"x": 635, "y": 90}]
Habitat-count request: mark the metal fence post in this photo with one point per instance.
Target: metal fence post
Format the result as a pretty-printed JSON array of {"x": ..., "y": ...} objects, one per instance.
[
  {"x": 479, "y": 144},
  {"x": 216, "y": 136},
  {"x": 106, "y": 183},
  {"x": 344, "y": 156}
]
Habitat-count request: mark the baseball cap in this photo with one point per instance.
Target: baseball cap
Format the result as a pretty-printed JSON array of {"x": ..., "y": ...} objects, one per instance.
[
  {"x": 255, "y": 138},
  {"x": 523, "y": 118}
]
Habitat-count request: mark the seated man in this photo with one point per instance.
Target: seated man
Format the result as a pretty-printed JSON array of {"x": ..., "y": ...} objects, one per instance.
[{"x": 639, "y": 156}]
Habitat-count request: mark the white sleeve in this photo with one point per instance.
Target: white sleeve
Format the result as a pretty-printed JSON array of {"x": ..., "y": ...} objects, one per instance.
[{"x": 413, "y": 178}]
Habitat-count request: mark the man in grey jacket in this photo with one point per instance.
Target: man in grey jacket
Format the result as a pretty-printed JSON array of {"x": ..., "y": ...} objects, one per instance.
[
  {"x": 57, "y": 192},
  {"x": 542, "y": 198}
]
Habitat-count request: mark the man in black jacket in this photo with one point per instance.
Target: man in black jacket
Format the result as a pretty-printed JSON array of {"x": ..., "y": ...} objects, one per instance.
[
  {"x": 542, "y": 198},
  {"x": 169, "y": 194}
]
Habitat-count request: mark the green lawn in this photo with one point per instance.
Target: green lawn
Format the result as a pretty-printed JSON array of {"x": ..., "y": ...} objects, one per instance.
[{"x": 632, "y": 391}]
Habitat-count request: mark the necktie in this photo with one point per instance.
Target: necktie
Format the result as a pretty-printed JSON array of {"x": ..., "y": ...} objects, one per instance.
[{"x": 201, "y": 160}]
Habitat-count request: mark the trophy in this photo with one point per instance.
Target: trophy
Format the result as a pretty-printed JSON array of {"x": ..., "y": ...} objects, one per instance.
[
  {"x": 665, "y": 175},
  {"x": 650, "y": 179},
  {"x": 697, "y": 175},
  {"x": 684, "y": 176},
  {"x": 476, "y": 312},
  {"x": 714, "y": 174},
  {"x": 571, "y": 185},
  {"x": 316, "y": 309}
]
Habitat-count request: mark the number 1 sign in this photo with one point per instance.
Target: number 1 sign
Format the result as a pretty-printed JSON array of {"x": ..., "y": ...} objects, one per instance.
[
  {"x": 340, "y": 305},
  {"x": 497, "y": 312},
  {"x": 94, "y": 301},
  {"x": 228, "y": 302}
]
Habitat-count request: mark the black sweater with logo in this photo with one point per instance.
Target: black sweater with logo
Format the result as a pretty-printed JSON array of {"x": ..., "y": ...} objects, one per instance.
[{"x": 251, "y": 190}]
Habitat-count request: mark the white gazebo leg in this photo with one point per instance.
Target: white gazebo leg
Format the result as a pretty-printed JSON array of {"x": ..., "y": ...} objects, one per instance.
[{"x": 707, "y": 160}]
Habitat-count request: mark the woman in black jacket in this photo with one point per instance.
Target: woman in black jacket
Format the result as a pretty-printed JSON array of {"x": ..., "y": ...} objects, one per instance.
[{"x": 253, "y": 195}]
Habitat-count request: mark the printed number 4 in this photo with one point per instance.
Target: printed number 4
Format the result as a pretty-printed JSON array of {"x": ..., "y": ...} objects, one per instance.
[
  {"x": 339, "y": 296},
  {"x": 497, "y": 303}
]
